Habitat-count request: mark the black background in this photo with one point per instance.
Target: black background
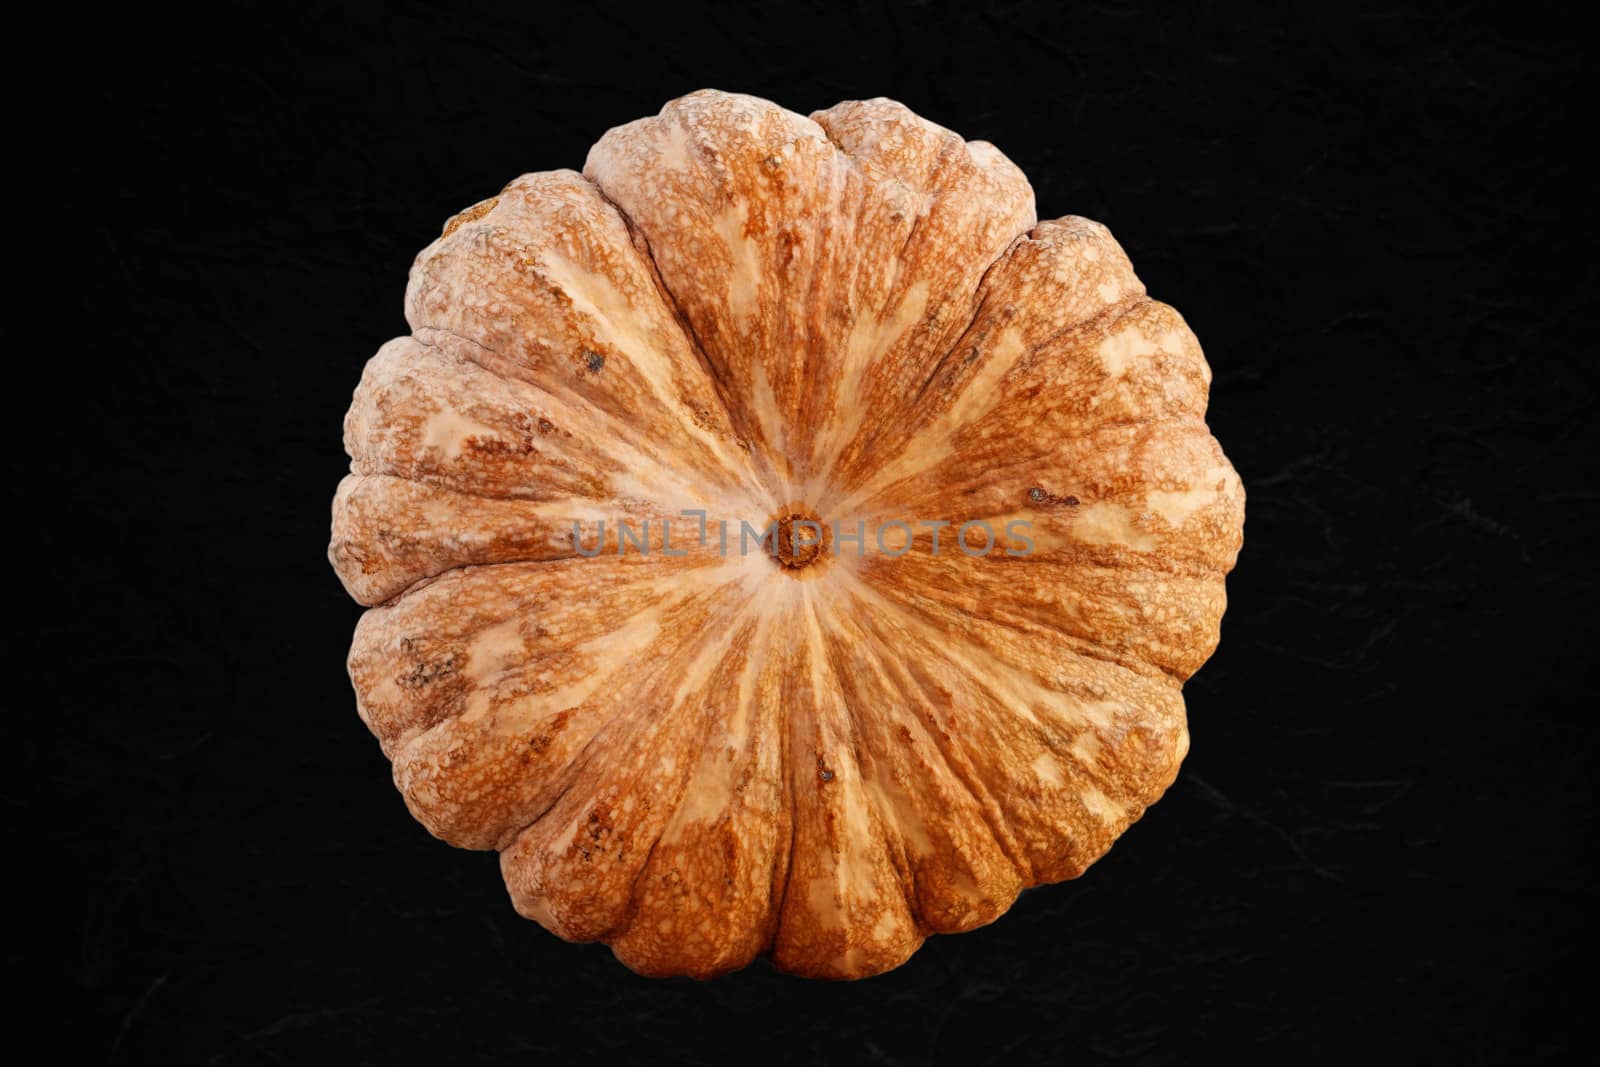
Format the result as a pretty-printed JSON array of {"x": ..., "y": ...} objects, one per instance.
[{"x": 1379, "y": 845}]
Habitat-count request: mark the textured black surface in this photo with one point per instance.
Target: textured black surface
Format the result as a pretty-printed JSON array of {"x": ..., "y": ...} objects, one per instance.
[{"x": 1379, "y": 846}]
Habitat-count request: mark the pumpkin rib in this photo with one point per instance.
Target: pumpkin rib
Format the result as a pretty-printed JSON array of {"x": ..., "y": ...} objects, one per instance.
[
  {"x": 424, "y": 554},
  {"x": 920, "y": 592},
  {"x": 888, "y": 827},
  {"x": 1109, "y": 315},
  {"x": 348, "y": 549},
  {"x": 836, "y": 929},
  {"x": 496, "y": 372},
  {"x": 1045, "y": 241},
  {"x": 950, "y": 144},
  {"x": 854, "y": 504},
  {"x": 671, "y": 823},
  {"x": 996, "y": 815},
  {"x": 982, "y": 803},
  {"x": 453, "y": 715},
  {"x": 622, "y": 731},
  {"x": 521, "y": 383},
  {"x": 971, "y": 301},
  {"x": 516, "y": 233},
  {"x": 736, "y": 416},
  {"x": 976, "y": 309},
  {"x": 980, "y": 297},
  {"x": 610, "y": 463},
  {"x": 621, "y": 156},
  {"x": 781, "y": 899},
  {"x": 630, "y": 912},
  {"x": 997, "y": 699},
  {"x": 848, "y": 719},
  {"x": 737, "y": 874},
  {"x": 1080, "y": 647},
  {"x": 786, "y": 776}
]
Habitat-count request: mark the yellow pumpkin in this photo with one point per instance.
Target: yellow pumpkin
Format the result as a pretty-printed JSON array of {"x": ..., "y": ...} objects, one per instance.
[{"x": 850, "y": 334}]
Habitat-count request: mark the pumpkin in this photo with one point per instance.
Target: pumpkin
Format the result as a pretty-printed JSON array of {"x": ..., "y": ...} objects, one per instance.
[{"x": 830, "y": 746}]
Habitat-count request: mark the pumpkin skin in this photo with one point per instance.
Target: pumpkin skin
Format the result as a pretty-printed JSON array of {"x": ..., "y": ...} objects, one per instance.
[{"x": 702, "y": 758}]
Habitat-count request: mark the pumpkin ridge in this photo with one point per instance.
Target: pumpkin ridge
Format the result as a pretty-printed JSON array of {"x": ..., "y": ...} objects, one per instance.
[
  {"x": 737, "y": 417},
  {"x": 902, "y": 677},
  {"x": 995, "y": 699},
  {"x": 961, "y": 768},
  {"x": 882, "y": 167},
  {"x": 980, "y": 299},
  {"x": 638, "y": 707},
  {"x": 647, "y": 674},
  {"x": 351, "y": 523},
  {"x": 951, "y": 143},
  {"x": 630, "y": 913},
  {"x": 1010, "y": 277},
  {"x": 828, "y": 650},
  {"x": 780, "y": 910},
  {"x": 456, "y": 714},
  {"x": 786, "y": 776},
  {"x": 962, "y": 341},
  {"x": 525, "y": 229},
  {"x": 975, "y": 303},
  {"x": 990, "y": 810},
  {"x": 576, "y": 405},
  {"x": 1077, "y": 645},
  {"x": 423, "y": 583},
  {"x": 653, "y": 152}
]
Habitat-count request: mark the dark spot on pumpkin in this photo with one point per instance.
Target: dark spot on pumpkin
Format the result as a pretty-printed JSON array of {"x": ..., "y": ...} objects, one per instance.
[
  {"x": 545, "y": 426},
  {"x": 773, "y": 161},
  {"x": 1042, "y": 496},
  {"x": 824, "y": 772},
  {"x": 426, "y": 673},
  {"x": 599, "y": 829},
  {"x": 594, "y": 361},
  {"x": 499, "y": 446},
  {"x": 348, "y": 553},
  {"x": 543, "y": 739},
  {"x": 788, "y": 241}
]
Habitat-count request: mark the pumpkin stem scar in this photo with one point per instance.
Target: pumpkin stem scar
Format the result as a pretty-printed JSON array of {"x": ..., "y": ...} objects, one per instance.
[{"x": 800, "y": 538}]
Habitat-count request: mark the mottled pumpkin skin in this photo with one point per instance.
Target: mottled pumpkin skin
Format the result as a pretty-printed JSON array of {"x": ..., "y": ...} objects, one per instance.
[{"x": 703, "y": 758}]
